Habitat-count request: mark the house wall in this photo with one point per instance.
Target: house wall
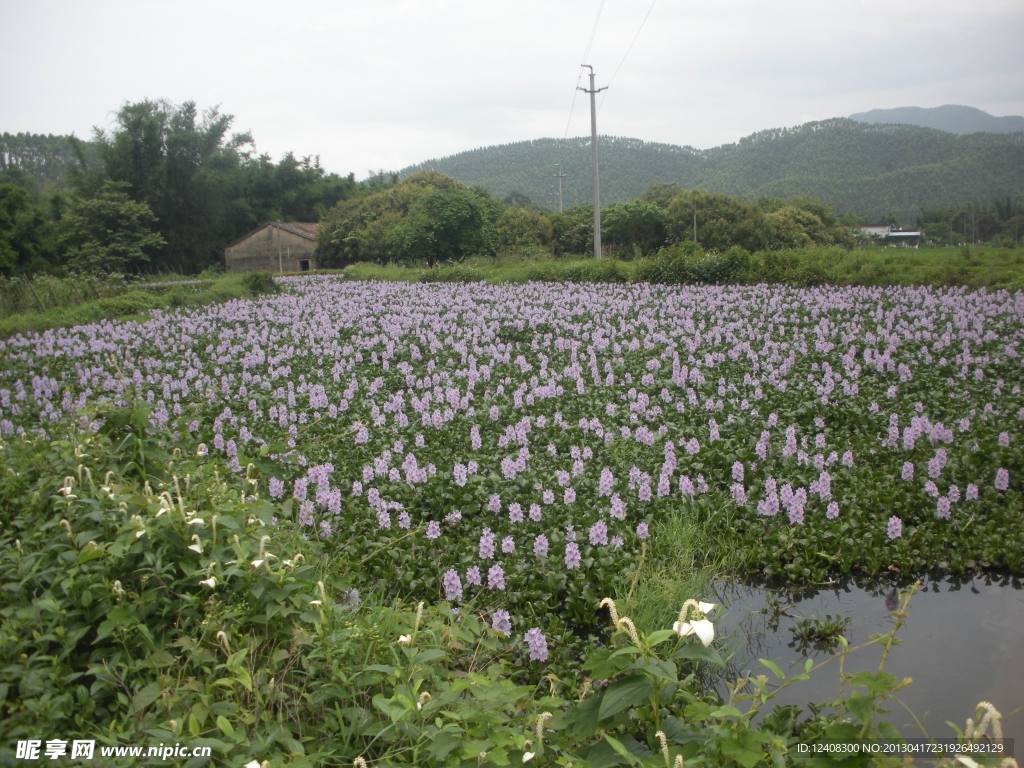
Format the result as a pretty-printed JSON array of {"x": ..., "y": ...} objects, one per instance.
[{"x": 260, "y": 251}]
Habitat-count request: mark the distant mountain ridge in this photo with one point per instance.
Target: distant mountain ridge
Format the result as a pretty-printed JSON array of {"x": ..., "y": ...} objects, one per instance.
[
  {"x": 952, "y": 118},
  {"x": 871, "y": 170}
]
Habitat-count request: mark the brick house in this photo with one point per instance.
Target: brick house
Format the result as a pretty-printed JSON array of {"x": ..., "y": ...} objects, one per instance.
[{"x": 280, "y": 246}]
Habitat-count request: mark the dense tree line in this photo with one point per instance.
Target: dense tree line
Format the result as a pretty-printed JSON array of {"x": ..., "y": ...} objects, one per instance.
[
  {"x": 869, "y": 171},
  {"x": 431, "y": 217},
  {"x": 166, "y": 188}
]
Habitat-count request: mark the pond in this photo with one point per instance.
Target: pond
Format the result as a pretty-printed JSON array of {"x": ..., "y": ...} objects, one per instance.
[{"x": 961, "y": 644}]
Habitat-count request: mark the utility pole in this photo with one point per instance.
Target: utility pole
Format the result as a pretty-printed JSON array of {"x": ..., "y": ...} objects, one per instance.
[
  {"x": 560, "y": 175},
  {"x": 593, "y": 158}
]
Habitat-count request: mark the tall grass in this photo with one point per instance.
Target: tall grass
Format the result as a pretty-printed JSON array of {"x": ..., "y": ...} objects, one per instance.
[
  {"x": 976, "y": 268},
  {"x": 137, "y": 300}
]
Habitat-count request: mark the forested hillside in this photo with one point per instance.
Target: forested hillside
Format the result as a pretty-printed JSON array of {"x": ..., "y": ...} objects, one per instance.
[
  {"x": 873, "y": 171},
  {"x": 954, "y": 118}
]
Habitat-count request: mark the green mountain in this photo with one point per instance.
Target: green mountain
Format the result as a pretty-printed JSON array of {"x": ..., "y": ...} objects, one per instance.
[
  {"x": 870, "y": 170},
  {"x": 952, "y": 118}
]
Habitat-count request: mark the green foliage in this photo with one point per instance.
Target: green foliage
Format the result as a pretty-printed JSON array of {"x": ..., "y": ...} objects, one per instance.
[
  {"x": 574, "y": 230},
  {"x": 25, "y": 232},
  {"x": 687, "y": 263},
  {"x": 428, "y": 217},
  {"x": 819, "y": 634},
  {"x": 518, "y": 228},
  {"x": 109, "y": 232},
  {"x": 205, "y": 187},
  {"x": 869, "y": 170},
  {"x": 257, "y": 283},
  {"x": 50, "y": 302},
  {"x": 993, "y": 267},
  {"x": 637, "y": 224},
  {"x": 152, "y": 594}
]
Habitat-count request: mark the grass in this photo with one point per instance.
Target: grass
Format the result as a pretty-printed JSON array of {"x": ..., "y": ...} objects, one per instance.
[
  {"x": 980, "y": 267},
  {"x": 679, "y": 561},
  {"x": 134, "y": 302}
]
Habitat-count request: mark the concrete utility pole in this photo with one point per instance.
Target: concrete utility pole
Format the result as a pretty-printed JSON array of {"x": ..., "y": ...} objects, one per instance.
[
  {"x": 560, "y": 175},
  {"x": 593, "y": 158}
]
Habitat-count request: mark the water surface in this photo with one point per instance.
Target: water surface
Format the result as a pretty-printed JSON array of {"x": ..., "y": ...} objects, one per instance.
[{"x": 961, "y": 643}]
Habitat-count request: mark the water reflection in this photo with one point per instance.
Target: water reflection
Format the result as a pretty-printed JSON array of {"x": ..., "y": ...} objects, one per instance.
[{"x": 963, "y": 642}]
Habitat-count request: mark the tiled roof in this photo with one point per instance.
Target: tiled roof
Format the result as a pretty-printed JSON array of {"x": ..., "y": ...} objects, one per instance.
[{"x": 303, "y": 229}]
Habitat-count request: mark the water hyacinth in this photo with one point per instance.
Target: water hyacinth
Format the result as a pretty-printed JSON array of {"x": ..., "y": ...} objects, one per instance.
[
  {"x": 572, "y": 556},
  {"x": 452, "y": 585},
  {"x": 479, "y": 417},
  {"x": 501, "y": 622},
  {"x": 536, "y": 644}
]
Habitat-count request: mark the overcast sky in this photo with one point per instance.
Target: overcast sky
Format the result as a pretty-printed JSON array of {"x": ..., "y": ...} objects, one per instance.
[{"x": 381, "y": 84}]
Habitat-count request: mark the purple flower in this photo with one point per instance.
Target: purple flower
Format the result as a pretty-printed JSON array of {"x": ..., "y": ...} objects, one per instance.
[
  {"x": 971, "y": 493},
  {"x": 508, "y": 545},
  {"x": 540, "y": 546},
  {"x": 598, "y": 534},
  {"x": 572, "y": 556},
  {"x": 894, "y": 529},
  {"x": 737, "y": 471},
  {"x": 496, "y": 577},
  {"x": 641, "y": 531},
  {"x": 832, "y": 511},
  {"x": 908, "y": 470},
  {"x": 569, "y": 496},
  {"x": 537, "y": 645},
  {"x": 433, "y": 530},
  {"x": 486, "y": 549},
  {"x": 739, "y": 494},
  {"x": 473, "y": 576},
  {"x": 325, "y": 529},
  {"x": 276, "y": 488},
  {"x": 606, "y": 483},
  {"x": 1002, "y": 479},
  {"x": 452, "y": 585},
  {"x": 942, "y": 508},
  {"x": 501, "y": 622}
]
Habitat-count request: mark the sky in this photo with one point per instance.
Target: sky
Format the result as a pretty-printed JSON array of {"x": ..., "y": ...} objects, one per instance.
[{"x": 382, "y": 84}]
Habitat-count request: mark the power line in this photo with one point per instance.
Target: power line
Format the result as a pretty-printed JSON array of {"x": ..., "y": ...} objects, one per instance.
[
  {"x": 585, "y": 57},
  {"x": 629, "y": 49}
]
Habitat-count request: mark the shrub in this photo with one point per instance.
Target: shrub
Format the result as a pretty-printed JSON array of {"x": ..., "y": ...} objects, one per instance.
[
  {"x": 686, "y": 263},
  {"x": 455, "y": 273},
  {"x": 256, "y": 283}
]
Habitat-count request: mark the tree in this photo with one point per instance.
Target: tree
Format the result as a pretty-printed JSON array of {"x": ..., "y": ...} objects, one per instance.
[
  {"x": 446, "y": 225},
  {"x": 518, "y": 227},
  {"x": 25, "y": 231},
  {"x": 574, "y": 230},
  {"x": 637, "y": 223},
  {"x": 109, "y": 232}
]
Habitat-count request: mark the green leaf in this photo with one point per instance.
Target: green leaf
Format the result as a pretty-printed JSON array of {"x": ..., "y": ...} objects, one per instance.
[
  {"x": 773, "y": 668},
  {"x": 623, "y": 694},
  {"x": 428, "y": 655},
  {"x": 225, "y": 727},
  {"x": 144, "y": 697},
  {"x": 620, "y": 749},
  {"x": 659, "y": 637}
]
